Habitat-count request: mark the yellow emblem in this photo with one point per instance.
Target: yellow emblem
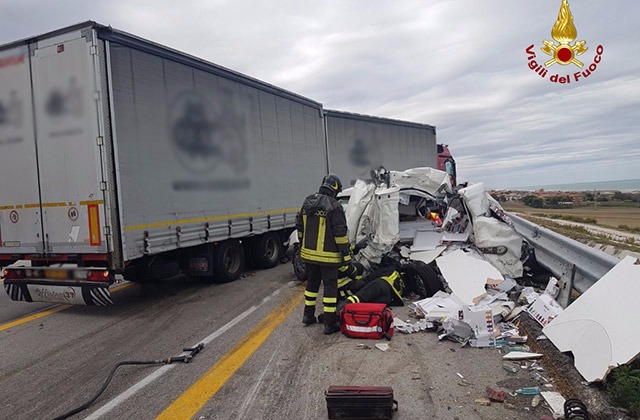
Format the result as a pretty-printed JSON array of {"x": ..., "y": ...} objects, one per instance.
[{"x": 564, "y": 32}]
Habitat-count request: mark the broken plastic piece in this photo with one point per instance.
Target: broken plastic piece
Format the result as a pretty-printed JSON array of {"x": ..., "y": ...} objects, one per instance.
[
  {"x": 509, "y": 367},
  {"x": 521, "y": 355},
  {"x": 536, "y": 401},
  {"x": 483, "y": 401},
  {"x": 556, "y": 402},
  {"x": 382, "y": 346},
  {"x": 533, "y": 390}
]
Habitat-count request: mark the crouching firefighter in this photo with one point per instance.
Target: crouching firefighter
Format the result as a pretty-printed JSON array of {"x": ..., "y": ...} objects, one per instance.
[
  {"x": 386, "y": 286},
  {"x": 350, "y": 280},
  {"x": 322, "y": 231}
]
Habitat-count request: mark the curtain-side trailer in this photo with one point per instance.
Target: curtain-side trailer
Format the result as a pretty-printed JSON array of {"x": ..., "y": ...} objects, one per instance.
[
  {"x": 121, "y": 156},
  {"x": 358, "y": 144}
]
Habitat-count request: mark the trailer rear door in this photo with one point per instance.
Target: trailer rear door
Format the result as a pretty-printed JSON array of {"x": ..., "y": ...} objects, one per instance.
[
  {"x": 20, "y": 214},
  {"x": 66, "y": 98}
]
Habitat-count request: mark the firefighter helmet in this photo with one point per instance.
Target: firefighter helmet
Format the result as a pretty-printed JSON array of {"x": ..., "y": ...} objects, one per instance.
[{"x": 333, "y": 183}]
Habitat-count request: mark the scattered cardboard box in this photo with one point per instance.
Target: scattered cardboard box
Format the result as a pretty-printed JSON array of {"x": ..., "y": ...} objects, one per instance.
[
  {"x": 545, "y": 309},
  {"x": 598, "y": 326},
  {"x": 440, "y": 307}
]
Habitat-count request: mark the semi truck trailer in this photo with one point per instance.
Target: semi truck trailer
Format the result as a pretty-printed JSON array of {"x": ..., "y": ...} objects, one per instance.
[
  {"x": 358, "y": 144},
  {"x": 122, "y": 156}
]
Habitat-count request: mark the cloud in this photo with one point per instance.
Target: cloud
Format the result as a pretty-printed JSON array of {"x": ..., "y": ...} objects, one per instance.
[{"x": 459, "y": 65}]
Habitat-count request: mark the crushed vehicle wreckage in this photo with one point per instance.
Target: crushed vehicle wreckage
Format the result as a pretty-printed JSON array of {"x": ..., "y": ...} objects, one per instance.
[
  {"x": 413, "y": 219},
  {"x": 466, "y": 271}
]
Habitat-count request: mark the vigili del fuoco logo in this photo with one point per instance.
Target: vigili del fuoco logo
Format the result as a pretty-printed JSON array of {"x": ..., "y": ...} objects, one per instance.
[{"x": 565, "y": 51}]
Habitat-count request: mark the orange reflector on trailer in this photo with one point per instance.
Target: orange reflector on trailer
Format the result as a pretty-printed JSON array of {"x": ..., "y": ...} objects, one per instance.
[{"x": 94, "y": 225}]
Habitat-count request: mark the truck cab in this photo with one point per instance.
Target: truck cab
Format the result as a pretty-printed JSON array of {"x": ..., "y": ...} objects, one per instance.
[{"x": 446, "y": 162}]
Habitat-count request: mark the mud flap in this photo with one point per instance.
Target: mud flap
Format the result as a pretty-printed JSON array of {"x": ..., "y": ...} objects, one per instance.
[{"x": 93, "y": 294}]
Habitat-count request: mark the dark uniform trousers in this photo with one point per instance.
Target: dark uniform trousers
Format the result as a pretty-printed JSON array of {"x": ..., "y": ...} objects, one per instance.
[{"x": 328, "y": 275}]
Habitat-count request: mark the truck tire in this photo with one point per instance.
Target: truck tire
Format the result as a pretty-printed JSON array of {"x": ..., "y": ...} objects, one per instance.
[
  {"x": 422, "y": 279},
  {"x": 228, "y": 261},
  {"x": 266, "y": 250},
  {"x": 299, "y": 266}
]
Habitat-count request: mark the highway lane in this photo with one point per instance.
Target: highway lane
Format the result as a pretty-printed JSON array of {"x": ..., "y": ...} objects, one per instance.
[
  {"x": 11, "y": 310},
  {"x": 259, "y": 362}
]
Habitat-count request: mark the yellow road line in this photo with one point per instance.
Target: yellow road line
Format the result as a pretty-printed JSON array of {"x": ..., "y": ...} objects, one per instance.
[
  {"x": 197, "y": 395},
  {"x": 34, "y": 317},
  {"x": 51, "y": 311}
]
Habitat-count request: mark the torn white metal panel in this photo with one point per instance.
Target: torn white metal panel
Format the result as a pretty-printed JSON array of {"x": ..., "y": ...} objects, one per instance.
[
  {"x": 466, "y": 275},
  {"x": 427, "y": 256},
  {"x": 456, "y": 237},
  {"x": 387, "y": 227},
  {"x": 384, "y": 231},
  {"x": 430, "y": 180},
  {"x": 597, "y": 327},
  {"x": 408, "y": 229},
  {"x": 476, "y": 200},
  {"x": 361, "y": 195},
  {"x": 489, "y": 232},
  {"x": 425, "y": 240}
]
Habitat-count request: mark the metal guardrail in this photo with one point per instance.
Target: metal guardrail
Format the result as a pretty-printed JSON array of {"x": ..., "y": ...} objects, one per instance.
[{"x": 575, "y": 265}]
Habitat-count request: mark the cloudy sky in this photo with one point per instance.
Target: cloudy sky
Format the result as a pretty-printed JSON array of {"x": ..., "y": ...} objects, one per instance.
[{"x": 460, "y": 65}]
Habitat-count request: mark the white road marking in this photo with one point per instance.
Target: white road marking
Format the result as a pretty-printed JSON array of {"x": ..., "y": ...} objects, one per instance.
[{"x": 108, "y": 407}]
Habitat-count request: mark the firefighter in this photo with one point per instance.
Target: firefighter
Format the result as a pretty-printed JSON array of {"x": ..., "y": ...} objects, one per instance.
[
  {"x": 322, "y": 232},
  {"x": 385, "y": 287},
  {"x": 350, "y": 280}
]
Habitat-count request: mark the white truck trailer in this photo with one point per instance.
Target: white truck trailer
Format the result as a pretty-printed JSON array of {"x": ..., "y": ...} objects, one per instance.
[
  {"x": 121, "y": 156},
  {"x": 358, "y": 144}
]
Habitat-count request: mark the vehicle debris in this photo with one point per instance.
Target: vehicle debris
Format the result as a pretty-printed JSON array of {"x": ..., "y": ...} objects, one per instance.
[
  {"x": 591, "y": 327},
  {"x": 556, "y": 401},
  {"x": 483, "y": 401},
  {"x": 521, "y": 355}
]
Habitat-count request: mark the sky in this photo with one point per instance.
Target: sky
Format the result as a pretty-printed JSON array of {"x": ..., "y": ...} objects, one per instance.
[{"x": 460, "y": 65}]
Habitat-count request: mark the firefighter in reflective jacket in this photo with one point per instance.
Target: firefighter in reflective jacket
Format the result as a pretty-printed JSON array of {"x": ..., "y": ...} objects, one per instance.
[
  {"x": 385, "y": 287},
  {"x": 350, "y": 280},
  {"x": 322, "y": 231}
]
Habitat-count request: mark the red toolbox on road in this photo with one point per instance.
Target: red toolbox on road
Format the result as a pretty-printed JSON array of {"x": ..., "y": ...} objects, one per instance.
[{"x": 360, "y": 402}]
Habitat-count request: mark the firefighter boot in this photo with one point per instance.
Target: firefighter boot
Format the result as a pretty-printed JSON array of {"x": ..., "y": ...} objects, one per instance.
[
  {"x": 309, "y": 316},
  {"x": 331, "y": 323}
]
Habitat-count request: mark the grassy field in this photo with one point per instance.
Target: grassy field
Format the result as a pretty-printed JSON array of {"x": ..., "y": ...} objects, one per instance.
[{"x": 606, "y": 214}]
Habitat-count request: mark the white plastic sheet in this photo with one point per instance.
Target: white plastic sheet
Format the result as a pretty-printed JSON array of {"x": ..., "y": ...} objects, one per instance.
[
  {"x": 466, "y": 275},
  {"x": 600, "y": 327}
]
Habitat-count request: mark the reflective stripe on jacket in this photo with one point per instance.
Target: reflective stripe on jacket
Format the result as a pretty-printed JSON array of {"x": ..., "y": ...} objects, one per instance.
[
  {"x": 397, "y": 285},
  {"x": 322, "y": 230}
]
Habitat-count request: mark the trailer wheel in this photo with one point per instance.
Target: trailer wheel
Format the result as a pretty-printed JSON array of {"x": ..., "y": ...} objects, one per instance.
[
  {"x": 228, "y": 261},
  {"x": 299, "y": 266},
  {"x": 422, "y": 279},
  {"x": 266, "y": 250}
]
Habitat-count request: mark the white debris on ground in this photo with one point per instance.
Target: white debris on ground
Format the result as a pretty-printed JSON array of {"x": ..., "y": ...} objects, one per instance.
[{"x": 464, "y": 235}]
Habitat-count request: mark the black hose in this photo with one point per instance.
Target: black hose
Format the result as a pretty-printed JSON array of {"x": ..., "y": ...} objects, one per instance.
[{"x": 106, "y": 383}]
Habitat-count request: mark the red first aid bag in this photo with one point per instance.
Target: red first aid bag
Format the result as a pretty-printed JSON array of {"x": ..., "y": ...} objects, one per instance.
[{"x": 366, "y": 320}]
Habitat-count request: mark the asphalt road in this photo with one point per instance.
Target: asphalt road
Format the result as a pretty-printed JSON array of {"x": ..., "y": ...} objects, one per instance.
[{"x": 259, "y": 362}]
